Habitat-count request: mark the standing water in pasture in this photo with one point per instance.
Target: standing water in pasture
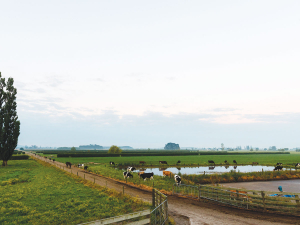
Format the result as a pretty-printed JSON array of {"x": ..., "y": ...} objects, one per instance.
[{"x": 207, "y": 169}]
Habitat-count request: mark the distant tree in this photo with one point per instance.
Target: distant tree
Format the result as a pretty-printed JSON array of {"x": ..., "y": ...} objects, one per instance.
[
  {"x": 114, "y": 150},
  {"x": 21, "y": 148},
  {"x": 9, "y": 123},
  {"x": 73, "y": 149},
  {"x": 222, "y": 146}
]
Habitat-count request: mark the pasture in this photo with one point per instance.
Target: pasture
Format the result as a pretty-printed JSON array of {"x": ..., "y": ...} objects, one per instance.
[
  {"x": 37, "y": 193},
  {"x": 288, "y": 160},
  {"x": 101, "y": 166}
]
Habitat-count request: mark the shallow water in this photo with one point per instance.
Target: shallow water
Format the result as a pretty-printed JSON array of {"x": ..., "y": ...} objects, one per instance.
[{"x": 206, "y": 169}]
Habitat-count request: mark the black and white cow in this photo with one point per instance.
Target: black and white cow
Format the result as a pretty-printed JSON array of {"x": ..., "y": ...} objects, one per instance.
[
  {"x": 144, "y": 176},
  {"x": 85, "y": 167},
  {"x": 177, "y": 180},
  {"x": 163, "y": 162},
  {"x": 211, "y": 161},
  {"x": 111, "y": 163},
  {"x": 279, "y": 164},
  {"x": 278, "y": 168},
  {"x": 297, "y": 165},
  {"x": 130, "y": 169},
  {"x": 80, "y": 165},
  {"x": 127, "y": 175}
]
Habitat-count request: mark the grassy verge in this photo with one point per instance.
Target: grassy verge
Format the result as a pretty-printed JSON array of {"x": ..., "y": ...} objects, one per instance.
[{"x": 37, "y": 193}]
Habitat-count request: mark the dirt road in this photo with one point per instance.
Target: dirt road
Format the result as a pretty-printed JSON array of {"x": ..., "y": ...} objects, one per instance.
[{"x": 186, "y": 211}]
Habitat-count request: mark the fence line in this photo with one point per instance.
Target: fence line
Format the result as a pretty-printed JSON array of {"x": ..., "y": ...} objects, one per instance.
[{"x": 277, "y": 202}]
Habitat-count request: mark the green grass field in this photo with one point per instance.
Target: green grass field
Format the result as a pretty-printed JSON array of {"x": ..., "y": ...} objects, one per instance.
[
  {"x": 263, "y": 159},
  {"x": 166, "y": 183},
  {"x": 36, "y": 193}
]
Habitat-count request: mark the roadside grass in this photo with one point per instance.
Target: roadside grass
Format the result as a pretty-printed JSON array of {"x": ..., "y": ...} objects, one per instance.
[{"x": 38, "y": 193}]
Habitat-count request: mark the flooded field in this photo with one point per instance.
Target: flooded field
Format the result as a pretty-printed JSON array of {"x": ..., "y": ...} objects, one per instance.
[{"x": 206, "y": 169}]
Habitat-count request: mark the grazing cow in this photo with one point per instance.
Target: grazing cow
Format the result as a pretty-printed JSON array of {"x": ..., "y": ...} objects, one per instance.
[
  {"x": 178, "y": 162},
  {"x": 255, "y": 163},
  {"x": 139, "y": 173},
  {"x": 111, "y": 163},
  {"x": 167, "y": 173},
  {"x": 127, "y": 175},
  {"x": 144, "y": 176},
  {"x": 234, "y": 162},
  {"x": 142, "y": 162},
  {"x": 68, "y": 164},
  {"x": 163, "y": 162},
  {"x": 225, "y": 161},
  {"x": 130, "y": 169},
  {"x": 297, "y": 165},
  {"x": 278, "y": 168},
  {"x": 53, "y": 160},
  {"x": 80, "y": 165},
  {"x": 279, "y": 164},
  {"x": 177, "y": 179},
  {"x": 210, "y": 161},
  {"x": 85, "y": 167}
]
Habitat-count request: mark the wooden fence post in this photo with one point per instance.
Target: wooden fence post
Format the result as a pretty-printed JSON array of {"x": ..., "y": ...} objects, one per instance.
[
  {"x": 84, "y": 176},
  {"x": 153, "y": 197},
  {"x": 263, "y": 198},
  {"x": 199, "y": 191},
  {"x": 297, "y": 201},
  {"x": 77, "y": 173}
]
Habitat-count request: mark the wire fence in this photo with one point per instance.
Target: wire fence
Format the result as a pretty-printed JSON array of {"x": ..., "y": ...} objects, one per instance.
[{"x": 276, "y": 202}]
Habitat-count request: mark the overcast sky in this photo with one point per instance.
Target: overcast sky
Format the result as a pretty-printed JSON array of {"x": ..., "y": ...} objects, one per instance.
[{"x": 145, "y": 73}]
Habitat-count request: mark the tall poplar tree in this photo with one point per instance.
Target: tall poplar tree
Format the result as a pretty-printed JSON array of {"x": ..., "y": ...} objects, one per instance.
[{"x": 9, "y": 123}]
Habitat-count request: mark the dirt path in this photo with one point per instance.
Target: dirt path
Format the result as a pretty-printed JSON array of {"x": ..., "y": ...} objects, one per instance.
[
  {"x": 287, "y": 185},
  {"x": 186, "y": 211}
]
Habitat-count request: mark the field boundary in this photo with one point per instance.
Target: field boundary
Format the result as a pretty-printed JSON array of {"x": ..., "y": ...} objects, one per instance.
[{"x": 263, "y": 201}]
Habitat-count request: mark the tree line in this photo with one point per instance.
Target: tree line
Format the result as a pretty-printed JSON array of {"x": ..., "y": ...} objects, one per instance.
[{"x": 9, "y": 123}]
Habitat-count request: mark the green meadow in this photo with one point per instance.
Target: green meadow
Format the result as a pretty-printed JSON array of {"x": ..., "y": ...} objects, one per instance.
[
  {"x": 37, "y": 193},
  {"x": 288, "y": 160}
]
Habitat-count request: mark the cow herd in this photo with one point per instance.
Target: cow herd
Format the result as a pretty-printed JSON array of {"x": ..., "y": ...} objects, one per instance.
[
  {"x": 68, "y": 164},
  {"x": 279, "y": 166},
  {"x": 128, "y": 174}
]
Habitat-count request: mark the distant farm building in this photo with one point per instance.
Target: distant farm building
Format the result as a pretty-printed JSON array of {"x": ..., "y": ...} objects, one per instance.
[{"x": 172, "y": 146}]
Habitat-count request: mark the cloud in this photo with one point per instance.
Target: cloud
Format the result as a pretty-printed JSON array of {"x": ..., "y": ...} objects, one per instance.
[{"x": 154, "y": 130}]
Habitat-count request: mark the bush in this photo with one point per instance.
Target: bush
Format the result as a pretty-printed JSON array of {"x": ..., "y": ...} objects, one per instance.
[{"x": 114, "y": 150}]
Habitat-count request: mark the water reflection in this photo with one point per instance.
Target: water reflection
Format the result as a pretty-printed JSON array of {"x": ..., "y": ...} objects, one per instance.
[{"x": 211, "y": 168}]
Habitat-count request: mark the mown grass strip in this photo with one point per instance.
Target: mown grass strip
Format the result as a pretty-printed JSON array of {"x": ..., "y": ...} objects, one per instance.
[{"x": 48, "y": 196}]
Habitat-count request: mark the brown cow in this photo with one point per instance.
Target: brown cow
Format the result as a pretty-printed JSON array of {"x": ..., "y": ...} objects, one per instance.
[{"x": 167, "y": 173}]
